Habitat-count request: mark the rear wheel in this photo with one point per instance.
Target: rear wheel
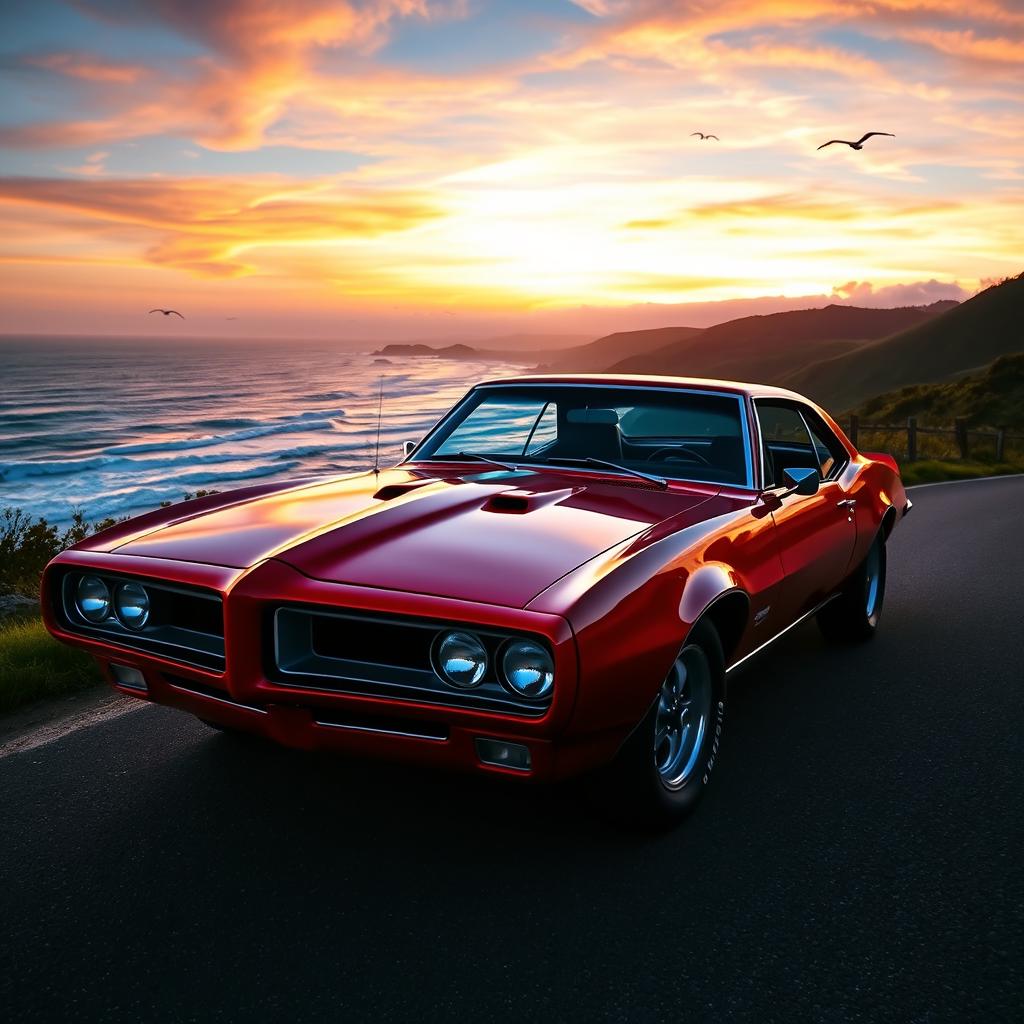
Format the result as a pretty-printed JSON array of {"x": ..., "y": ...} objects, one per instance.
[
  {"x": 665, "y": 765},
  {"x": 853, "y": 616}
]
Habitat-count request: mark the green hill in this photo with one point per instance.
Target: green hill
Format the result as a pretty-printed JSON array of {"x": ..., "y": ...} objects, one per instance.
[
  {"x": 960, "y": 340},
  {"x": 993, "y": 398}
]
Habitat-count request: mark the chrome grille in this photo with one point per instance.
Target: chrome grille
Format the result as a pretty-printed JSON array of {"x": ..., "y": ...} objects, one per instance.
[
  {"x": 374, "y": 655},
  {"x": 186, "y": 624}
]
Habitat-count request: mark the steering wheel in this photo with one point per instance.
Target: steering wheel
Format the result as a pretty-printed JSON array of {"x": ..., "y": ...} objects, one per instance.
[{"x": 688, "y": 454}]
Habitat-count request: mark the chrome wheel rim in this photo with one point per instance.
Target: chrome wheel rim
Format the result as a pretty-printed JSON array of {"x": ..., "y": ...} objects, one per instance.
[
  {"x": 872, "y": 582},
  {"x": 681, "y": 720}
]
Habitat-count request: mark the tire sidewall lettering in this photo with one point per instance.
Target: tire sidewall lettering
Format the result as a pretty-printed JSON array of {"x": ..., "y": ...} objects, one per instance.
[{"x": 710, "y": 763}]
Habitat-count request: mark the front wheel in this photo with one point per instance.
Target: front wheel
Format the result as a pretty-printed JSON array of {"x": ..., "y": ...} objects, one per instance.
[
  {"x": 665, "y": 765},
  {"x": 853, "y": 616}
]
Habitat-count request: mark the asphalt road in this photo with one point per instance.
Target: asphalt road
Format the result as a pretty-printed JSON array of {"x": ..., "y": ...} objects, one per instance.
[{"x": 858, "y": 859}]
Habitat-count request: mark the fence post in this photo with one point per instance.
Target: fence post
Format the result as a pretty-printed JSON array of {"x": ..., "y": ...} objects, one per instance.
[
  {"x": 1000, "y": 444},
  {"x": 854, "y": 430},
  {"x": 960, "y": 426},
  {"x": 911, "y": 439}
]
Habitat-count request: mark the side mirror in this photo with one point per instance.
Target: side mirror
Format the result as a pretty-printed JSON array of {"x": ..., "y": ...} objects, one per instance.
[
  {"x": 801, "y": 481},
  {"x": 408, "y": 447}
]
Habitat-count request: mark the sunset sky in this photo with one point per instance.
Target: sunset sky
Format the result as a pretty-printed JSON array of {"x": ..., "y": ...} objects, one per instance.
[{"x": 408, "y": 168}]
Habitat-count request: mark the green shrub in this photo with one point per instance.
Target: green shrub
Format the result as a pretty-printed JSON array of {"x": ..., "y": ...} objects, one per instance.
[{"x": 27, "y": 544}]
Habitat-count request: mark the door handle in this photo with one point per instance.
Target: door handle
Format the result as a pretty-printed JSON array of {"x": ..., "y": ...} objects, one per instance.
[{"x": 847, "y": 503}]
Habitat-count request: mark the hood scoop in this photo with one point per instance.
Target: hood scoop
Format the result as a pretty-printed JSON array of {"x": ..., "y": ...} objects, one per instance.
[
  {"x": 518, "y": 501},
  {"x": 389, "y": 491}
]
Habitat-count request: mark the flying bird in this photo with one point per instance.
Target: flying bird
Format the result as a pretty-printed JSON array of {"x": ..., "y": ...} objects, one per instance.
[
  {"x": 167, "y": 312},
  {"x": 859, "y": 144},
  {"x": 704, "y": 138}
]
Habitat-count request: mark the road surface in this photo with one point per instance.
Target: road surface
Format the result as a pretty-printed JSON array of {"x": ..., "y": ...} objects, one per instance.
[{"x": 858, "y": 858}]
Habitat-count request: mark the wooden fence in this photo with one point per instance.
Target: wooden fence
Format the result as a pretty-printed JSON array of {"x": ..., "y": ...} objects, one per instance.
[{"x": 910, "y": 442}]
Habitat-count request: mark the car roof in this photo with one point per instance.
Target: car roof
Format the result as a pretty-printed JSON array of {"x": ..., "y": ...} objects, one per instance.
[{"x": 643, "y": 380}]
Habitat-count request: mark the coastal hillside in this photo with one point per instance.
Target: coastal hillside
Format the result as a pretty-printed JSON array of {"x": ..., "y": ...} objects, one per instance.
[
  {"x": 960, "y": 340},
  {"x": 767, "y": 348},
  {"x": 992, "y": 398},
  {"x": 613, "y": 348},
  {"x": 557, "y": 355}
]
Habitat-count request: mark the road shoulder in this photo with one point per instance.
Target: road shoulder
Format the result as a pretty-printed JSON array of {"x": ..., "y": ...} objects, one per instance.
[{"x": 49, "y": 720}]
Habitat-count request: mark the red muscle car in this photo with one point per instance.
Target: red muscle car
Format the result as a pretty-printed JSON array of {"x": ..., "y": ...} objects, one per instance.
[{"x": 558, "y": 579}]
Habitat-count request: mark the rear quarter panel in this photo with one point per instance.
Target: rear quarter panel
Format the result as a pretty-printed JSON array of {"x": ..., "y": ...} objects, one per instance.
[{"x": 881, "y": 501}]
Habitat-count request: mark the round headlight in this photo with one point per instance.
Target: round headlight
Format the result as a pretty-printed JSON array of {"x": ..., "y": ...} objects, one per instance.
[
  {"x": 92, "y": 596},
  {"x": 131, "y": 602},
  {"x": 461, "y": 660},
  {"x": 528, "y": 669}
]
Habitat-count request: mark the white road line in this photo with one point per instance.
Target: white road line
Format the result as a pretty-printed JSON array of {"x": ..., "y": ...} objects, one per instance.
[
  {"x": 969, "y": 480},
  {"x": 113, "y": 706}
]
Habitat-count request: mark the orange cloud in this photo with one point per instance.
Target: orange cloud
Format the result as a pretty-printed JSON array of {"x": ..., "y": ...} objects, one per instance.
[
  {"x": 678, "y": 284},
  {"x": 87, "y": 67},
  {"x": 756, "y": 213},
  {"x": 206, "y": 226},
  {"x": 511, "y": 183},
  {"x": 93, "y": 165},
  {"x": 967, "y": 43},
  {"x": 262, "y": 62}
]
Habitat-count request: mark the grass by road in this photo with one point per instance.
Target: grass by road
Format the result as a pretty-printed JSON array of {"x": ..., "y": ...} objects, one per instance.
[
  {"x": 931, "y": 471},
  {"x": 34, "y": 666}
]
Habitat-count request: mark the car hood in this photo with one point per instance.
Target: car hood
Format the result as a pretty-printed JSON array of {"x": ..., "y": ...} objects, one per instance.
[{"x": 494, "y": 537}]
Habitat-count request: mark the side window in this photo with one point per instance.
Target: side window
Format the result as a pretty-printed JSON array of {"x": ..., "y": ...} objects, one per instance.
[
  {"x": 545, "y": 430},
  {"x": 786, "y": 443},
  {"x": 832, "y": 456}
]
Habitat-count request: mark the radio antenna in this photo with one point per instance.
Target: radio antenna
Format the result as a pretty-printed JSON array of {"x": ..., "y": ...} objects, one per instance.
[{"x": 380, "y": 411}]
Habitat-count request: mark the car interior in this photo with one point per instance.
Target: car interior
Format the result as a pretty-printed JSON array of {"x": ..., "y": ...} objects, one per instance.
[{"x": 599, "y": 434}]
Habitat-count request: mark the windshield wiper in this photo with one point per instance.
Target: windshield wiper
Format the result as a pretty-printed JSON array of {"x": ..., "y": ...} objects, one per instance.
[
  {"x": 650, "y": 477},
  {"x": 473, "y": 455}
]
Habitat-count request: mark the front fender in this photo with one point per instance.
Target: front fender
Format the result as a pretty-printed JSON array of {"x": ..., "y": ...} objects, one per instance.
[
  {"x": 703, "y": 588},
  {"x": 624, "y": 655}
]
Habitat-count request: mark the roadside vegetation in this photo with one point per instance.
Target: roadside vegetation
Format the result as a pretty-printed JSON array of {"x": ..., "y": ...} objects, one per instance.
[
  {"x": 933, "y": 471},
  {"x": 987, "y": 400},
  {"x": 992, "y": 397},
  {"x": 34, "y": 666}
]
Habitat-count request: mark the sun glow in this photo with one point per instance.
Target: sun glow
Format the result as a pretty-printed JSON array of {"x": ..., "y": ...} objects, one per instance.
[{"x": 328, "y": 167}]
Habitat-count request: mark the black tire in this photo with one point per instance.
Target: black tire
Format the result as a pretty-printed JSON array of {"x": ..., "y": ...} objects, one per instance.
[
  {"x": 853, "y": 616},
  {"x": 635, "y": 788}
]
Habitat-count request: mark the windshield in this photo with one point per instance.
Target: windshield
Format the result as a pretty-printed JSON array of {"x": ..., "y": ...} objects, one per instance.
[{"x": 682, "y": 435}]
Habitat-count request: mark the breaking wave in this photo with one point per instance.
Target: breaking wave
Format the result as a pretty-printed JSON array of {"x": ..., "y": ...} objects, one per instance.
[{"x": 79, "y": 428}]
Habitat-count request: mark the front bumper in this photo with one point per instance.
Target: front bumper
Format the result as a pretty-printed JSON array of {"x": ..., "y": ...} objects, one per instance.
[{"x": 246, "y": 697}]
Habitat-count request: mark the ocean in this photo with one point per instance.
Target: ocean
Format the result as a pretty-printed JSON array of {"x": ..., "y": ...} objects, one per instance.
[{"x": 116, "y": 426}]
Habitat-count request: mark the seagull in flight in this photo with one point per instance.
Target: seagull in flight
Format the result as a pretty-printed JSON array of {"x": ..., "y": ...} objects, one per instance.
[
  {"x": 704, "y": 138},
  {"x": 167, "y": 312},
  {"x": 859, "y": 144}
]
